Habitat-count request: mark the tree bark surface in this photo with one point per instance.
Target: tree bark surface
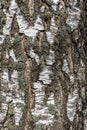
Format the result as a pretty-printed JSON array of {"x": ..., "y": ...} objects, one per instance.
[{"x": 43, "y": 65}]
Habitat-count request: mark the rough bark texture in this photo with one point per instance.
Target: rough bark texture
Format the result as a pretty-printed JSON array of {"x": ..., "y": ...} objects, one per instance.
[{"x": 43, "y": 65}]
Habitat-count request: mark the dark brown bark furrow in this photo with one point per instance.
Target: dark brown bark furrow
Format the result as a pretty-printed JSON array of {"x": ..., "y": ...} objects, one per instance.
[{"x": 28, "y": 91}]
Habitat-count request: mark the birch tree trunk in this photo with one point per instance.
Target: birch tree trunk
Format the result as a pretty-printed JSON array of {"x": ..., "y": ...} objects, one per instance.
[{"x": 43, "y": 65}]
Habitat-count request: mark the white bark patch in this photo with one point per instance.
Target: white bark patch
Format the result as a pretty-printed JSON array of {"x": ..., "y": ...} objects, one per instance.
[
  {"x": 17, "y": 97},
  {"x": 38, "y": 24},
  {"x": 73, "y": 15},
  {"x": 35, "y": 56},
  {"x": 40, "y": 111},
  {"x": 12, "y": 54},
  {"x": 50, "y": 59},
  {"x": 82, "y": 63},
  {"x": 72, "y": 79},
  {"x": 81, "y": 73},
  {"x": 42, "y": 9},
  {"x": 46, "y": 122},
  {"x": 9, "y": 16},
  {"x": 51, "y": 34},
  {"x": 1, "y": 39},
  {"x": 5, "y": 78},
  {"x": 51, "y": 100},
  {"x": 50, "y": 37},
  {"x": 7, "y": 55},
  {"x": 55, "y": 1},
  {"x": 4, "y": 106},
  {"x": 54, "y": 7},
  {"x": 30, "y": 31},
  {"x": 65, "y": 66},
  {"x": 45, "y": 75},
  {"x": 18, "y": 114},
  {"x": 23, "y": 25},
  {"x": 53, "y": 27},
  {"x": 71, "y": 104}
]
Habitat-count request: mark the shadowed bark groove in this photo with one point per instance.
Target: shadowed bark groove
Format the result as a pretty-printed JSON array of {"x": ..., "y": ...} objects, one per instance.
[{"x": 29, "y": 93}]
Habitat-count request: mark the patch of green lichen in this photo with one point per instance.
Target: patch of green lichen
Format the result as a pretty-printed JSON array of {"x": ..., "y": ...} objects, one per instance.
[
  {"x": 46, "y": 16},
  {"x": 51, "y": 109},
  {"x": 19, "y": 66},
  {"x": 22, "y": 80},
  {"x": 2, "y": 19},
  {"x": 36, "y": 118},
  {"x": 18, "y": 53},
  {"x": 4, "y": 5},
  {"x": 2, "y": 98},
  {"x": 21, "y": 57},
  {"x": 9, "y": 125},
  {"x": 63, "y": 18},
  {"x": 40, "y": 127},
  {"x": 28, "y": 43},
  {"x": 11, "y": 109},
  {"x": 16, "y": 39},
  {"x": 6, "y": 44},
  {"x": 14, "y": 28},
  {"x": 5, "y": 89},
  {"x": 43, "y": 49}
]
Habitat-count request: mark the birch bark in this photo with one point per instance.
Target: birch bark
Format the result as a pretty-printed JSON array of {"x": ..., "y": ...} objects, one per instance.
[{"x": 43, "y": 65}]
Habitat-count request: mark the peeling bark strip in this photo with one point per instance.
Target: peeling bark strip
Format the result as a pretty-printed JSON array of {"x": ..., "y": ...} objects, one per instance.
[{"x": 27, "y": 75}]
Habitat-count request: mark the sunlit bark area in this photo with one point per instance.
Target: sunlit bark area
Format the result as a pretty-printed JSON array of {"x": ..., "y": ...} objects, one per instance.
[{"x": 43, "y": 65}]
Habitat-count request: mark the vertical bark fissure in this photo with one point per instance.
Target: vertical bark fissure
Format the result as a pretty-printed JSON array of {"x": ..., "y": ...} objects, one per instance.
[
  {"x": 27, "y": 75},
  {"x": 31, "y": 7}
]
